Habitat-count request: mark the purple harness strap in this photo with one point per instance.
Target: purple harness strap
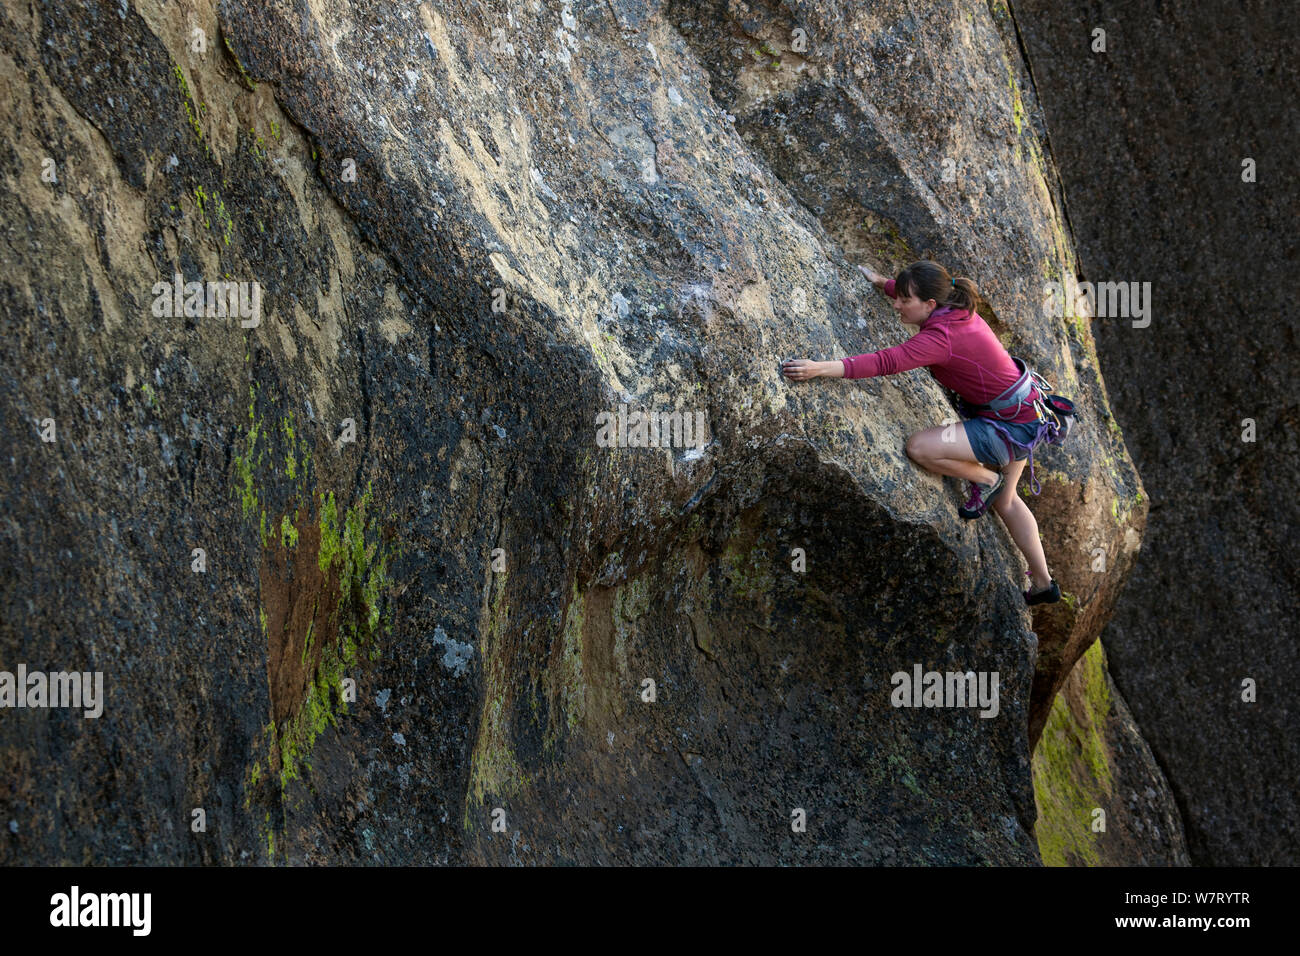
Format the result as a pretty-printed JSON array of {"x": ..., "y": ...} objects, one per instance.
[
  {"x": 1039, "y": 434},
  {"x": 1049, "y": 423}
]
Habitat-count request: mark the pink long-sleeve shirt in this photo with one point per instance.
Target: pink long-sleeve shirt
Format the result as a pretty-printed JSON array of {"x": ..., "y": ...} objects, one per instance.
[{"x": 961, "y": 352}]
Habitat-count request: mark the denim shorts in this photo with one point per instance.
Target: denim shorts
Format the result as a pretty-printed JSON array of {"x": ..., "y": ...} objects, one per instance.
[{"x": 990, "y": 447}]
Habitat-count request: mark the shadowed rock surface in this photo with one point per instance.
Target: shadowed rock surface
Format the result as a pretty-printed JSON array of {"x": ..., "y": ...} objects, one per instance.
[
  {"x": 553, "y": 212},
  {"x": 1151, "y": 137}
]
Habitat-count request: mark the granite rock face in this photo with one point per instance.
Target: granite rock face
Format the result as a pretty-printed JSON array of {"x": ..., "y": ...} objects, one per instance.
[
  {"x": 1177, "y": 132},
  {"x": 363, "y": 581}
]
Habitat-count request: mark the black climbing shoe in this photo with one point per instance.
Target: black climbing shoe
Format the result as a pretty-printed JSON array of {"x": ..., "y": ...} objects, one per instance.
[
  {"x": 1048, "y": 595},
  {"x": 981, "y": 496}
]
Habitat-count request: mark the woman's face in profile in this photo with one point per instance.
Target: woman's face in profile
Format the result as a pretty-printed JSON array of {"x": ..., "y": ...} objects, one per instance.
[{"x": 911, "y": 310}]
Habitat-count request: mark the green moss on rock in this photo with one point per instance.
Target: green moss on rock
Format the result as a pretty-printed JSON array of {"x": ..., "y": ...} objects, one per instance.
[
  {"x": 494, "y": 771},
  {"x": 351, "y": 556},
  {"x": 1072, "y": 770},
  {"x": 192, "y": 110},
  {"x": 360, "y": 561}
]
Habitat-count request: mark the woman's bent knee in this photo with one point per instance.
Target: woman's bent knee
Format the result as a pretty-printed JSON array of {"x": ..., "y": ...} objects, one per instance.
[{"x": 1008, "y": 503}]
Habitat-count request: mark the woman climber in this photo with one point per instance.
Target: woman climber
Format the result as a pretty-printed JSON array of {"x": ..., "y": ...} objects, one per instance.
[{"x": 964, "y": 355}]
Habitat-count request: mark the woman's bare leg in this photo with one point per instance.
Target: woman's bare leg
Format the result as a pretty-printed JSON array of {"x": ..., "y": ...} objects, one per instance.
[
  {"x": 1015, "y": 514},
  {"x": 945, "y": 450},
  {"x": 951, "y": 454}
]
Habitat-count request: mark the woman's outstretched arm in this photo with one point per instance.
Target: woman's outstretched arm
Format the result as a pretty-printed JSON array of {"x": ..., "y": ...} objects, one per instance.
[
  {"x": 927, "y": 347},
  {"x": 799, "y": 369}
]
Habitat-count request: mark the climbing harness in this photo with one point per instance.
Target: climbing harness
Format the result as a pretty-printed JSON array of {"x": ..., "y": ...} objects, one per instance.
[{"x": 1056, "y": 414}]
